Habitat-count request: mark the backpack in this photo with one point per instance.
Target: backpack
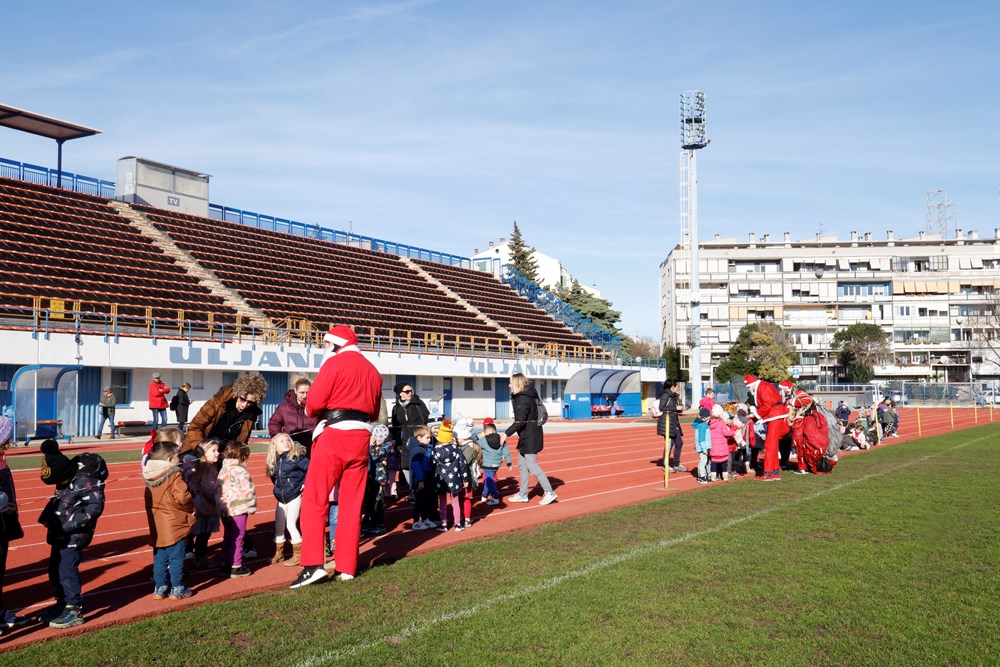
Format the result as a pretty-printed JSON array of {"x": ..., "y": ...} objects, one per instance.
[
  {"x": 173, "y": 403},
  {"x": 543, "y": 414}
]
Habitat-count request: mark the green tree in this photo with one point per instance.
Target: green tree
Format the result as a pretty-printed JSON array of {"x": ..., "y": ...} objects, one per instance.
[
  {"x": 763, "y": 349},
  {"x": 521, "y": 255},
  {"x": 673, "y": 356},
  {"x": 594, "y": 308},
  {"x": 861, "y": 347}
]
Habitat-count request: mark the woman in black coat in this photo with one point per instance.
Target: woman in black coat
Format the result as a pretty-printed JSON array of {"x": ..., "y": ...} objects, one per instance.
[
  {"x": 530, "y": 439},
  {"x": 669, "y": 423},
  {"x": 408, "y": 412}
]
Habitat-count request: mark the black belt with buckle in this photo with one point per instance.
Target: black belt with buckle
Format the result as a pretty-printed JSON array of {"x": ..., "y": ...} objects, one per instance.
[{"x": 334, "y": 416}]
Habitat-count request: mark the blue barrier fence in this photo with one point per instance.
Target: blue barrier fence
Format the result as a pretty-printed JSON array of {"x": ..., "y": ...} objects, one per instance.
[{"x": 32, "y": 173}]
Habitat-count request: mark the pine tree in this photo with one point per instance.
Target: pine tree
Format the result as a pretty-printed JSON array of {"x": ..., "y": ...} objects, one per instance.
[{"x": 521, "y": 259}]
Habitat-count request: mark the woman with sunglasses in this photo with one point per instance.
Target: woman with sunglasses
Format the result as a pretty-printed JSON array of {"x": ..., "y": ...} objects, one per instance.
[
  {"x": 408, "y": 412},
  {"x": 230, "y": 415}
]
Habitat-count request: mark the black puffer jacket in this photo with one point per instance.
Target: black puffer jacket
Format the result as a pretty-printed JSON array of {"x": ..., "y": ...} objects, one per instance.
[
  {"x": 669, "y": 414},
  {"x": 403, "y": 420},
  {"x": 529, "y": 434},
  {"x": 72, "y": 512},
  {"x": 10, "y": 525}
]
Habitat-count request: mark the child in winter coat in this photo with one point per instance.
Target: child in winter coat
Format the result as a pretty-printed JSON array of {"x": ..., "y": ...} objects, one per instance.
[
  {"x": 721, "y": 430},
  {"x": 451, "y": 473},
  {"x": 373, "y": 506},
  {"x": 70, "y": 517},
  {"x": 422, "y": 475},
  {"x": 286, "y": 466},
  {"x": 170, "y": 513},
  {"x": 472, "y": 452},
  {"x": 703, "y": 444},
  {"x": 493, "y": 450},
  {"x": 239, "y": 501},
  {"x": 203, "y": 483}
]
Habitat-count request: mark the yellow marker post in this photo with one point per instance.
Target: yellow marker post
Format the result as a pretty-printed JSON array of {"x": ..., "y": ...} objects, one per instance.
[
  {"x": 920, "y": 430},
  {"x": 666, "y": 454},
  {"x": 951, "y": 409},
  {"x": 975, "y": 411}
]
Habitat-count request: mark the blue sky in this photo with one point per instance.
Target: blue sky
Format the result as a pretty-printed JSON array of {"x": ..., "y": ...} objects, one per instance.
[{"x": 438, "y": 123}]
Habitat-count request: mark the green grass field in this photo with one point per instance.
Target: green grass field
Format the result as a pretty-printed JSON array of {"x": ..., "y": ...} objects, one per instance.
[{"x": 892, "y": 560}]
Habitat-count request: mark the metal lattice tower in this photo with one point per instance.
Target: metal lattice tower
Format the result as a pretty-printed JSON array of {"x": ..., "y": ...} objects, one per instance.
[
  {"x": 693, "y": 138},
  {"x": 941, "y": 215}
]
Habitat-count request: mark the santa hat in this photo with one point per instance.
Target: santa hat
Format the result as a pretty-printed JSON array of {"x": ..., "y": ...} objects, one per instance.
[
  {"x": 341, "y": 335},
  {"x": 787, "y": 384},
  {"x": 444, "y": 435},
  {"x": 750, "y": 379}
]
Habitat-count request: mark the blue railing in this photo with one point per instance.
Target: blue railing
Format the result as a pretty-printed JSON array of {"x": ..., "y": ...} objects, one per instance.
[
  {"x": 32, "y": 173},
  {"x": 561, "y": 311}
]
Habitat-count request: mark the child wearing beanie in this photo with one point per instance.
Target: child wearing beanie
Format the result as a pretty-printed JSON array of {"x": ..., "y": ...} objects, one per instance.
[
  {"x": 702, "y": 444},
  {"x": 451, "y": 473}
]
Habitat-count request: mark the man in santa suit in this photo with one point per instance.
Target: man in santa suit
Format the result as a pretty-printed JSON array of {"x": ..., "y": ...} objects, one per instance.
[
  {"x": 773, "y": 412},
  {"x": 345, "y": 398}
]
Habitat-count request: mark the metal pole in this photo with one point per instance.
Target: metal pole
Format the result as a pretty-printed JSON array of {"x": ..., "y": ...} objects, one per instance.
[
  {"x": 695, "y": 373},
  {"x": 59, "y": 143}
]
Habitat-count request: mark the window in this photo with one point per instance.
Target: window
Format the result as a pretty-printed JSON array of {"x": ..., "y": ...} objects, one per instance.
[
  {"x": 487, "y": 384},
  {"x": 197, "y": 379},
  {"x": 121, "y": 384},
  {"x": 426, "y": 385},
  {"x": 229, "y": 377},
  {"x": 470, "y": 384},
  {"x": 904, "y": 311},
  {"x": 544, "y": 391}
]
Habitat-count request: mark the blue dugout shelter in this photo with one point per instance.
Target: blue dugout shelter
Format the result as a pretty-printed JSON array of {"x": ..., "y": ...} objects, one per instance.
[{"x": 591, "y": 387}]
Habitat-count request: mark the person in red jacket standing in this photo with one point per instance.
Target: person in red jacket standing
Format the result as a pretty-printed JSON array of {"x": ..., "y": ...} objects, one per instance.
[
  {"x": 773, "y": 412},
  {"x": 346, "y": 398},
  {"x": 158, "y": 400}
]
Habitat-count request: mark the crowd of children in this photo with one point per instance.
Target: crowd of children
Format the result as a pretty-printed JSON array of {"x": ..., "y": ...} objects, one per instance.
[{"x": 190, "y": 496}]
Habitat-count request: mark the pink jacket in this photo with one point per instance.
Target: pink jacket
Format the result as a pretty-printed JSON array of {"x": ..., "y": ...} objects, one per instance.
[
  {"x": 720, "y": 430},
  {"x": 238, "y": 494}
]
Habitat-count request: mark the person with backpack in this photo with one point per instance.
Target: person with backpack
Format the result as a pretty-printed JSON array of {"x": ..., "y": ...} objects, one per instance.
[
  {"x": 71, "y": 519},
  {"x": 528, "y": 420}
]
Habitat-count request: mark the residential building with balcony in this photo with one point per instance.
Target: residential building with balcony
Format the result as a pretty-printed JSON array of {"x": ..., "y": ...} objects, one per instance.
[{"x": 937, "y": 300}]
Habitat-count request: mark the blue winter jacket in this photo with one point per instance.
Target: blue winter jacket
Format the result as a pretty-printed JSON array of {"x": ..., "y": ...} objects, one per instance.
[
  {"x": 702, "y": 435},
  {"x": 289, "y": 477},
  {"x": 421, "y": 465}
]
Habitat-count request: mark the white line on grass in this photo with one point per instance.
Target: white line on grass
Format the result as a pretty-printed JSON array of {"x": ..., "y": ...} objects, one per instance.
[{"x": 418, "y": 627}]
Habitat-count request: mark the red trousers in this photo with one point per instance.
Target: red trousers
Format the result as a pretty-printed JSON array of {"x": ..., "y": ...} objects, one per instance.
[
  {"x": 776, "y": 430},
  {"x": 337, "y": 457}
]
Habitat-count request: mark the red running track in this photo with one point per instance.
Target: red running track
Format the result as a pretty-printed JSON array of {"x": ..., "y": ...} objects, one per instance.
[{"x": 591, "y": 471}]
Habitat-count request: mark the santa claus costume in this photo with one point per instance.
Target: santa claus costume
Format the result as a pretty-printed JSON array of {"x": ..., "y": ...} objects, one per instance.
[
  {"x": 810, "y": 433},
  {"x": 774, "y": 413},
  {"x": 345, "y": 398}
]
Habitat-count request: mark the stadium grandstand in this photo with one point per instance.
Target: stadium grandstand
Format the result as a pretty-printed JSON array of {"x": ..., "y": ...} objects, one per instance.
[{"x": 103, "y": 289}]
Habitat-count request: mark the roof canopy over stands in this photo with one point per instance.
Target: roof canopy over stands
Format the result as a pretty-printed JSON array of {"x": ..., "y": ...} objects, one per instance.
[{"x": 53, "y": 128}]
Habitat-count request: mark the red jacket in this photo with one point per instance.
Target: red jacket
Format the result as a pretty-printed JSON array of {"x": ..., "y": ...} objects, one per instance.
[
  {"x": 346, "y": 381},
  {"x": 158, "y": 395}
]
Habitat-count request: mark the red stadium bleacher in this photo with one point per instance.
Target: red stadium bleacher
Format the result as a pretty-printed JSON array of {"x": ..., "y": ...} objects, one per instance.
[
  {"x": 503, "y": 305},
  {"x": 291, "y": 277},
  {"x": 69, "y": 247}
]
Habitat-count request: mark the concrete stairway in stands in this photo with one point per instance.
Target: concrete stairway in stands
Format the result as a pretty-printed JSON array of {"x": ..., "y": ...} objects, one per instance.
[
  {"x": 462, "y": 302},
  {"x": 253, "y": 316}
]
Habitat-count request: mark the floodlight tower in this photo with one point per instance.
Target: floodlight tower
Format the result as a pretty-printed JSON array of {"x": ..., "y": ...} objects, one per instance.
[{"x": 693, "y": 138}]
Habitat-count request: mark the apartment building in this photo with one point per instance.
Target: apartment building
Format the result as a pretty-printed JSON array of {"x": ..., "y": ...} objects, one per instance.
[{"x": 936, "y": 299}]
